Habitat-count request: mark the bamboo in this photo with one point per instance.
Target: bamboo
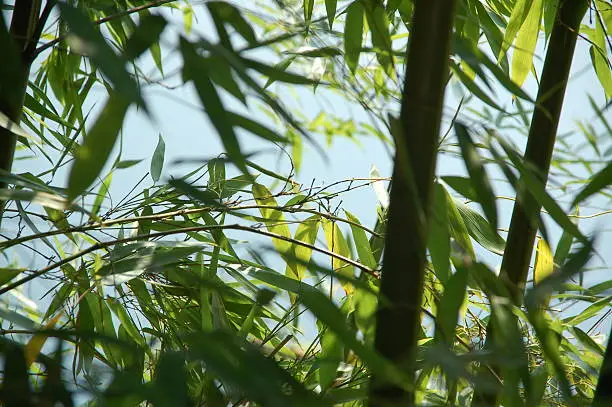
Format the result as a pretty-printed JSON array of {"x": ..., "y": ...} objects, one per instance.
[
  {"x": 603, "y": 391},
  {"x": 538, "y": 155},
  {"x": 398, "y": 316},
  {"x": 19, "y": 42}
]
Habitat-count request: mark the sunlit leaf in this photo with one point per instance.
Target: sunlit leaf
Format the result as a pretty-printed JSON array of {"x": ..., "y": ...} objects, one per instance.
[
  {"x": 306, "y": 232},
  {"x": 275, "y": 221},
  {"x": 526, "y": 40}
]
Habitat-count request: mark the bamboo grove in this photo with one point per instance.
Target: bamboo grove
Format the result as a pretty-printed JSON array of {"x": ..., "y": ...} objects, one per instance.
[{"x": 216, "y": 271}]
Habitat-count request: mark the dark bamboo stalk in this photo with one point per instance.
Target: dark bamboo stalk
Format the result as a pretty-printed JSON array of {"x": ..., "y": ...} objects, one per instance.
[
  {"x": 25, "y": 30},
  {"x": 398, "y": 318},
  {"x": 603, "y": 391},
  {"x": 538, "y": 155}
]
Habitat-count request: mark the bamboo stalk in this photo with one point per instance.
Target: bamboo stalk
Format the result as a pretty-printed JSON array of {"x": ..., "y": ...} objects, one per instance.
[
  {"x": 538, "y": 155},
  {"x": 24, "y": 31},
  {"x": 398, "y": 317},
  {"x": 603, "y": 391}
]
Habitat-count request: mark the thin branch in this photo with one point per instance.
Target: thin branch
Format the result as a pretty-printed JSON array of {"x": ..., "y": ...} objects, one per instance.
[
  {"x": 167, "y": 215},
  {"x": 106, "y": 19},
  {"x": 103, "y": 245}
]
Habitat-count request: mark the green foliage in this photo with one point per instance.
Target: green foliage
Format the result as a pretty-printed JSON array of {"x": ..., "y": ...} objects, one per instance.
[{"x": 230, "y": 279}]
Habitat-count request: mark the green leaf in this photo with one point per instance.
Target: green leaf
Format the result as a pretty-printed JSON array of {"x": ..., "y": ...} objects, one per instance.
[
  {"x": 126, "y": 164},
  {"x": 7, "y": 274},
  {"x": 308, "y": 7},
  {"x": 171, "y": 381},
  {"x": 563, "y": 247},
  {"x": 478, "y": 174},
  {"x": 599, "y": 57},
  {"x": 306, "y": 232},
  {"x": 462, "y": 185},
  {"x": 601, "y": 180},
  {"x": 381, "y": 40},
  {"x": 353, "y": 35},
  {"x": 479, "y": 229},
  {"x": 474, "y": 56},
  {"x": 90, "y": 41},
  {"x": 197, "y": 71},
  {"x": 277, "y": 74},
  {"x": 439, "y": 235},
  {"x": 126, "y": 320},
  {"x": 362, "y": 243},
  {"x": 205, "y": 196},
  {"x": 469, "y": 83},
  {"x": 332, "y": 353},
  {"x": 336, "y": 243},
  {"x": 97, "y": 146},
  {"x": 458, "y": 230},
  {"x": 330, "y": 7},
  {"x": 327, "y": 312},
  {"x": 256, "y": 128},
  {"x": 145, "y": 36},
  {"x": 317, "y": 52},
  {"x": 535, "y": 187},
  {"x": 274, "y": 219},
  {"x": 229, "y": 14},
  {"x": 453, "y": 298},
  {"x": 526, "y": 40},
  {"x": 157, "y": 162},
  {"x": 517, "y": 18}
]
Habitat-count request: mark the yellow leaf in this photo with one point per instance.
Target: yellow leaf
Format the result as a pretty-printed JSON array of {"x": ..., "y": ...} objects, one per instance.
[
  {"x": 543, "y": 262},
  {"x": 35, "y": 345},
  {"x": 525, "y": 44},
  {"x": 337, "y": 243}
]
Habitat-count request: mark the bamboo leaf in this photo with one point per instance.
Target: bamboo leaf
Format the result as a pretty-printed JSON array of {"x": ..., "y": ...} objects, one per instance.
[
  {"x": 337, "y": 243},
  {"x": 89, "y": 40},
  {"x": 478, "y": 174},
  {"x": 381, "y": 40},
  {"x": 145, "y": 36},
  {"x": 353, "y": 35},
  {"x": 97, "y": 146},
  {"x": 330, "y": 7},
  {"x": 601, "y": 180},
  {"x": 517, "y": 18},
  {"x": 599, "y": 57},
  {"x": 157, "y": 162},
  {"x": 196, "y": 70},
  {"x": 306, "y": 232},
  {"x": 543, "y": 262},
  {"x": 308, "y": 7},
  {"x": 274, "y": 219},
  {"x": 362, "y": 243},
  {"x": 229, "y": 14},
  {"x": 448, "y": 311},
  {"x": 526, "y": 40},
  {"x": 439, "y": 235}
]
